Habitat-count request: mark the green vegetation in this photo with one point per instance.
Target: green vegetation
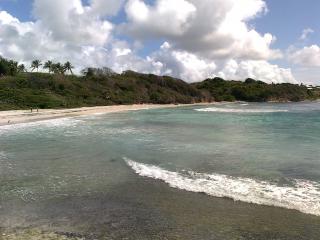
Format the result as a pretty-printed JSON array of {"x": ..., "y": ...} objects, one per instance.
[
  {"x": 45, "y": 90},
  {"x": 21, "y": 90},
  {"x": 255, "y": 91}
]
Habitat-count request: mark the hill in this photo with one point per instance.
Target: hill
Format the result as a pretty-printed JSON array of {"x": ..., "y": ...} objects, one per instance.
[
  {"x": 43, "y": 90},
  {"x": 21, "y": 90},
  {"x": 255, "y": 91}
]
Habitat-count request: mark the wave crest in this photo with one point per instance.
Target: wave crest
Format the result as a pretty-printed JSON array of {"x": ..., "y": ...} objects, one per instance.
[
  {"x": 233, "y": 110},
  {"x": 52, "y": 123},
  {"x": 304, "y": 196}
]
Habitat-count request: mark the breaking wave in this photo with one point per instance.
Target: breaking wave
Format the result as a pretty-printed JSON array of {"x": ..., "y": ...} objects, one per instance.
[
  {"x": 233, "y": 110},
  {"x": 52, "y": 123},
  {"x": 3, "y": 155},
  {"x": 303, "y": 196}
]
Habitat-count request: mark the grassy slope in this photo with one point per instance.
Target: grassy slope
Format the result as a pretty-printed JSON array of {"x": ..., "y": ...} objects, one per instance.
[{"x": 58, "y": 91}]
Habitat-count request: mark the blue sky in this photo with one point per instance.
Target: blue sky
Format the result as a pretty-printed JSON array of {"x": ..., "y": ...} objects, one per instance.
[
  {"x": 20, "y": 8},
  {"x": 137, "y": 45},
  {"x": 286, "y": 20}
]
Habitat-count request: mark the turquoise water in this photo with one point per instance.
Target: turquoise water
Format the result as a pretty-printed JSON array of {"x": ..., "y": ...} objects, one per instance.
[{"x": 139, "y": 174}]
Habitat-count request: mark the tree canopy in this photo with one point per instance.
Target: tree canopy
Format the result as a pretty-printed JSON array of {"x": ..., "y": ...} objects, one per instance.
[{"x": 20, "y": 89}]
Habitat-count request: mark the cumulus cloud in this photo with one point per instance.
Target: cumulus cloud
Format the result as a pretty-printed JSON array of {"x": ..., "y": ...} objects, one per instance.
[
  {"x": 166, "y": 18},
  {"x": 182, "y": 64},
  {"x": 261, "y": 70},
  {"x": 210, "y": 28},
  {"x": 192, "y": 68},
  {"x": 69, "y": 21},
  {"x": 63, "y": 30},
  {"x": 307, "y": 56},
  {"x": 201, "y": 39},
  {"x": 106, "y": 7}
]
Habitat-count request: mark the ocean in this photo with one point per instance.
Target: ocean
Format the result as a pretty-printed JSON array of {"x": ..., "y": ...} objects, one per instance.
[{"x": 222, "y": 171}]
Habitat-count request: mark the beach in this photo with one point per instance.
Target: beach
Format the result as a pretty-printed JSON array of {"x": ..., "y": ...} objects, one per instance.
[{"x": 24, "y": 116}]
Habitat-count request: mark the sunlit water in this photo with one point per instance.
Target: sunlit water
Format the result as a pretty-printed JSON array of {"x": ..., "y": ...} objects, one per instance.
[{"x": 139, "y": 174}]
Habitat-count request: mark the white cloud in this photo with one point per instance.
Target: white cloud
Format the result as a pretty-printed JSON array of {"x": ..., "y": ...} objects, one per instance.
[
  {"x": 165, "y": 61},
  {"x": 202, "y": 39},
  {"x": 183, "y": 64},
  {"x": 307, "y": 56},
  {"x": 192, "y": 68},
  {"x": 210, "y": 28},
  {"x": 106, "y": 7},
  {"x": 69, "y": 21},
  {"x": 63, "y": 30},
  {"x": 166, "y": 18},
  {"x": 6, "y": 18},
  {"x": 305, "y": 34},
  {"x": 260, "y": 70}
]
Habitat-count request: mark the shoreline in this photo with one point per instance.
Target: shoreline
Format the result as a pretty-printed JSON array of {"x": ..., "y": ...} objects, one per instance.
[{"x": 13, "y": 117}]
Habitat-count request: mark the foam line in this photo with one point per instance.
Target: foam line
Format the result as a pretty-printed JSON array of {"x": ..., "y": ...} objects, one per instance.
[
  {"x": 53, "y": 123},
  {"x": 303, "y": 196},
  {"x": 232, "y": 110}
]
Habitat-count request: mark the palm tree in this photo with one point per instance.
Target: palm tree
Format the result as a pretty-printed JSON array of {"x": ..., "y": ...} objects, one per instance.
[
  {"x": 21, "y": 68},
  {"x": 58, "y": 68},
  {"x": 48, "y": 65},
  {"x": 68, "y": 67},
  {"x": 35, "y": 65}
]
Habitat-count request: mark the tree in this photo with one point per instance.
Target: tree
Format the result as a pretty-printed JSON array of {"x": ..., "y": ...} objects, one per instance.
[
  {"x": 8, "y": 67},
  {"x": 48, "y": 65},
  {"x": 4, "y": 66},
  {"x": 88, "y": 72},
  {"x": 21, "y": 68},
  {"x": 35, "y": 65},
  {"x": 13, "y": 67},
  {"x": 57, "y": 68},
  {"x": 68, "y": 67}
]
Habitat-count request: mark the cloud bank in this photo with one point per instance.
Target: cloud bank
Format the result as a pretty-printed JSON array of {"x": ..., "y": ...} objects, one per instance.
[
  {"x": 307, "y": 56},
  {"x": 199, "y": 39}
]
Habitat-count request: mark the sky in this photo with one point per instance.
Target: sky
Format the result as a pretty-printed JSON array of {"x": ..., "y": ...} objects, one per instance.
[{"x": 270, "y": 40}]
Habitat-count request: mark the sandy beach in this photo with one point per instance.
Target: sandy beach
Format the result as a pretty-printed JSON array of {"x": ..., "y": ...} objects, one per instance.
[{"x": 23, "y": 116}]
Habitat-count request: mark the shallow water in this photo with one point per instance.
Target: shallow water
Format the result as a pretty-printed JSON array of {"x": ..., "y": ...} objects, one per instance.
[{"x": 167, "y": 173}]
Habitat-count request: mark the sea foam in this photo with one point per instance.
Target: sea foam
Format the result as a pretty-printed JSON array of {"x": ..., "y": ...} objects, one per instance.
[
  {"x": 52, "y": 123},
  {"x": 303, "y": 196},
  {"x": 233, "y": 110}
]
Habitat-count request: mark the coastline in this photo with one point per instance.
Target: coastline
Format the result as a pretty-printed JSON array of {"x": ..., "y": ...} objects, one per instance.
[
  {"x": 11, "y": 117},
  {"x": 24, "y": 116}
]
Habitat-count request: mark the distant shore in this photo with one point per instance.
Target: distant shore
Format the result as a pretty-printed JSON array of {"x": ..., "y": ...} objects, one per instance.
[{"x": 24, "y": 116}]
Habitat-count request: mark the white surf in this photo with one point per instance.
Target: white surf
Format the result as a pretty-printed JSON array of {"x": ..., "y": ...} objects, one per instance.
[
  {"x": 304, "y": 196},
  {"x": 233, "y": 110}
]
